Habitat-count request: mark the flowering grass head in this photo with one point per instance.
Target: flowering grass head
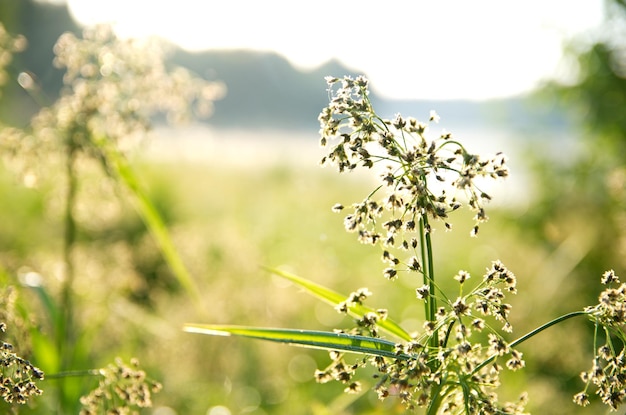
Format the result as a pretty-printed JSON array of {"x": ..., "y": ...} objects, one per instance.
[{"x": 421, "y": 179}]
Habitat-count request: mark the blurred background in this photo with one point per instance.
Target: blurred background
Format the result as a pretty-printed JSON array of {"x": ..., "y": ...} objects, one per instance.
[{"x": 241, "y": 188}]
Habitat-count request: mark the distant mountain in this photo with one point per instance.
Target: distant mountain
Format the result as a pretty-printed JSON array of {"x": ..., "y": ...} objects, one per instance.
[
  {"x": 264, "y": 90},
  {"x": 41, "y": 23}
]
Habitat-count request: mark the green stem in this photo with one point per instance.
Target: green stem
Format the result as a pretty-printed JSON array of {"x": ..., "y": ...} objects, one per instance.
[
  {"x": 425, "y": 266},
  {"x": 435, "y": 400},
  {"x": 430, "y": 275},
  {"x": 64, "y": 324},
  {"x": 531, "y": 334},
  {"x": 65, "y": 335},
  {"x": 72, "y": 373}
]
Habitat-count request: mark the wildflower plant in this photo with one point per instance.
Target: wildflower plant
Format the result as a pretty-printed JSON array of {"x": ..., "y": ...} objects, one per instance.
[{"x": 453, "y": 365}]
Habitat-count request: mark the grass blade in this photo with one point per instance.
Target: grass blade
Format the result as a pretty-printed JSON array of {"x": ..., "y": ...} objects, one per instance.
[
  {"x": 305, "y": 338},
  {"x": 152, "y": 219},
  {"x": 334, "y": 298}
]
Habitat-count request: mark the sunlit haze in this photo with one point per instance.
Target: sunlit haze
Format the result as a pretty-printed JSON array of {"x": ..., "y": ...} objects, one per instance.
[{"x": 409, "y": 49}]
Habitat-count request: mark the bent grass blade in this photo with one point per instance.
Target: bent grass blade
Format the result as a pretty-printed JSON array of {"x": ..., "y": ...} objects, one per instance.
[
  {"x": 306, "y": 338},
  {"x": 334, "y": 298},
  {"x": 151, "y": 217}
]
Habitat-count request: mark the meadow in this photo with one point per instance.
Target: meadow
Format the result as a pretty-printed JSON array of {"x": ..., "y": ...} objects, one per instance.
[
  {"x": 110, "y": 245},
  {"x": 228, "y": 217}
]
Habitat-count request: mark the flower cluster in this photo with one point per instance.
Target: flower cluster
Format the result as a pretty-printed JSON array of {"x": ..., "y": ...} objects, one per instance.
[
  {"x": 123, "y": 389},
  {"x": 489, "y": 295},
  {"x": 464, "y": 357},
  {"x": 423, "y": 177},
  {"x": 367, "y": 324},
  {"x": 340, "y": 371},
  {"x": 17, "y": 375},
  {"x": 118, "y": 84},
  {"x": 462, "y": 368},
  {"x": 608, "y": 370},
  {"x": 418, "y": 381},
  {"x": 357, "y": 297}
]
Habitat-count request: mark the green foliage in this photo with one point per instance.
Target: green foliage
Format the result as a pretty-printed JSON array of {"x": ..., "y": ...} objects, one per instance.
[
  {"x": 597, "y": 95},
  {"x": 307, "y": 338},
  {"x": 352, "y": 306}
]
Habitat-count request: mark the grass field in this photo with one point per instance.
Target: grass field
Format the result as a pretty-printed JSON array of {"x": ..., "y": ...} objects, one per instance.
[{"x": 230, "y": 218}]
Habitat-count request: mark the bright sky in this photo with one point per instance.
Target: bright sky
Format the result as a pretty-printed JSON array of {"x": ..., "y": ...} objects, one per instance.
[{"x": 424, "y": 49}]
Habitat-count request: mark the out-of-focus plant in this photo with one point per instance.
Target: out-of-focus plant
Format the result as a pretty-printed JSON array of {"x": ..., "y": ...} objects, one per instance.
[
  {"x": 453, "y": 365},
  {"x": 577, "y": 215},
  {"x": 598, "y": 90},
  {"x": 9, "y": 45},
  {"x": 591, "y": 178},
  {"x": 113, "y": 91},
  {"x": 122, "y": 389}
]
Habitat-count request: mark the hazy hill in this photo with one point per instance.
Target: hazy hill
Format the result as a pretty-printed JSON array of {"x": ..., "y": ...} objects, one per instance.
[
  {"x": 41, "y": 24},
  {"x": 264, "y": 90}
]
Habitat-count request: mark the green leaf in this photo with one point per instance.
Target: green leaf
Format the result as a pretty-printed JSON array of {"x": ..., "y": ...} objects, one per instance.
[
  {"x": 334, "y": 298},
  {"x": 116, "y": 161},
  {"x": 305, "y": 338}
]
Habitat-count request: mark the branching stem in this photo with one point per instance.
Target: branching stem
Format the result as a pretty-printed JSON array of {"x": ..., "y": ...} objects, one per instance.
[{"x": 531, "y": 334}]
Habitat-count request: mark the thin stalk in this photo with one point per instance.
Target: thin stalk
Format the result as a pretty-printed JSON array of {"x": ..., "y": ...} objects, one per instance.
[
  {"x": 69, "y": 240},
  {"x": 430, "y": 273},
  {"x": 64, "y": 325},
  {"x": 425, "y": 265},
  {"x": 595, "y": 337},
  {"x": 531, "y": 334},
  {"x": 72, "y": 373}
]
